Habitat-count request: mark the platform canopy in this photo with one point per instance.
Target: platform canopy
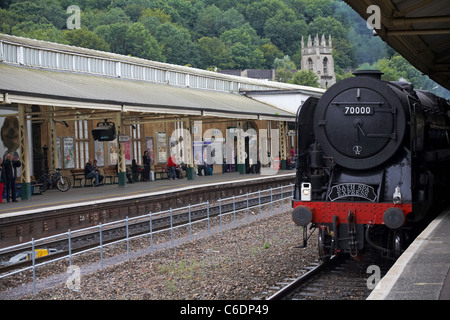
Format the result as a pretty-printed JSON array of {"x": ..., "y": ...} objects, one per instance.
[
  {"x": 67, "y": 89},
  {"x": 417, "y": 30}
]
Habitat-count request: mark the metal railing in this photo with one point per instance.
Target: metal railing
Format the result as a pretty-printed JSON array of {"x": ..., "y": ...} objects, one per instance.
[{"x": 150, "y": 218}]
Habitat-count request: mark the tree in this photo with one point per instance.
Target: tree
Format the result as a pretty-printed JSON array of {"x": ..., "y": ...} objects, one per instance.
[
  {"x": 212, "y": 21},
  {"x": 214, "y": 53},
  {"x": 46, "y": 32},
  {"x": 40, "y": 12},
  {"x": 284, "y": 75},
  {"x": 140, "y": 43},
  {"x": 86, "y": 39},
  {"x": 305, "y": 78},
  {"x": 271, "y": 52},
  {"x": 115, "y": 35},
  {"x": 285, "y": 31},
  {"x": 206, "y": 25},
  {"x": 8, "y": 19},
  {"x": 244, "y": 34},
  {"x": 284, "y": 63},
  {"x": 244, "y": 44},
  {"x": 111, "y": 16},
  {"x": 153, "y": 18},
  {"x": 247, "y": 57},
  {"x": 177, "y": 44},
  {"x": 258, "y": 12},
  {"x": 328, "y": 26},
  {"x": 343, "y": 54}
]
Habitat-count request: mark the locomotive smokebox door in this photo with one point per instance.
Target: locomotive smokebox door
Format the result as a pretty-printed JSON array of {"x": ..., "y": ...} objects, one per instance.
[{"x": 360, "y": 122}]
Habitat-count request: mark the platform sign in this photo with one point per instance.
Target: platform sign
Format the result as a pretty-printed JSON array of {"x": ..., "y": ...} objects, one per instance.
[{"x": 124, "y": 138}]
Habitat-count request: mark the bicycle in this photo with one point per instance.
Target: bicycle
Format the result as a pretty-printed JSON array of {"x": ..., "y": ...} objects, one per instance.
[{"x": 49, "y": 180}]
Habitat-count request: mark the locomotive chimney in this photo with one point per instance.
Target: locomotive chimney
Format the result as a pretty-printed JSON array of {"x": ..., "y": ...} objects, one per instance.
[{"x": 375, "y": 74}]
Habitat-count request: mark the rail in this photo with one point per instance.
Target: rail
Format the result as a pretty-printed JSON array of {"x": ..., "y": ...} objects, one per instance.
[{"x": 150, "y": 218}]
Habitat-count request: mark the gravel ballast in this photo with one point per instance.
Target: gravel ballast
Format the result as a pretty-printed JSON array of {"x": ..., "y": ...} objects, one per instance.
[{"x": 239, "y": 264}]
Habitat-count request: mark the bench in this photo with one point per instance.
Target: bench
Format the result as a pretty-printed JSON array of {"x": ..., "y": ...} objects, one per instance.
[
  {"x": 77, "y": 176},
  {"x": 160, "y": 170},
  {"x": 110, "y": 175}
]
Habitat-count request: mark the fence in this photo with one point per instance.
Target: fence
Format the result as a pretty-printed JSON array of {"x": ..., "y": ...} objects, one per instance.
[{"x": 208, "y": 228}]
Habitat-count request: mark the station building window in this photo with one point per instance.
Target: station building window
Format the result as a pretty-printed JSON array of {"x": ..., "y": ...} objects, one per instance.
[
  {"x": 135, "y": 135},
  {"x": 81, "y": 143}
]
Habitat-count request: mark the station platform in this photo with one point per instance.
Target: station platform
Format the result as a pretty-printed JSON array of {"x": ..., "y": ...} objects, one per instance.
[
  {"x": 423, "y": 271},
  {"x": 53, "y": 198}
]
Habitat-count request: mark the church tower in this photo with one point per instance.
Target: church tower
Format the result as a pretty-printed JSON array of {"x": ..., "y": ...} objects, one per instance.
[{"x": 318, "y": 58}]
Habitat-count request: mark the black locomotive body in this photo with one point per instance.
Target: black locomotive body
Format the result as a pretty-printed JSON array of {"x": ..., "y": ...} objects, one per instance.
[{"x": 372, "y": 158}]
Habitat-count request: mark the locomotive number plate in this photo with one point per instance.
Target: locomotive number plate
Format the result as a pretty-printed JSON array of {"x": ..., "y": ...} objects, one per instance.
[
  {"x": 359, "y": 190},
  {"x": 352, "y": 110}
]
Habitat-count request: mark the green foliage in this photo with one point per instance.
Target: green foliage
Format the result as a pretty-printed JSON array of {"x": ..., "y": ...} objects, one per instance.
[
  {"x": 141, "y": 43},
  {"x": 85, "y": 39},
  {"x": 398, "y": 69},
  {"x": 177, "y": 45},
  {"x": 215, "y": 54},
  {"x": 305, "y": 78},
  {"x": 222, "y": 34},
  {"x": 284, "y": 75}
]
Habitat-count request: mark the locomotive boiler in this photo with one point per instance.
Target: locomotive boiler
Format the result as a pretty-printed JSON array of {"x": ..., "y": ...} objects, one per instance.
[{"x": 372, "y": 159}]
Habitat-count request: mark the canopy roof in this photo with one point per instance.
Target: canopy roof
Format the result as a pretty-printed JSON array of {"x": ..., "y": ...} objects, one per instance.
[{"x": 68, "y": 89}]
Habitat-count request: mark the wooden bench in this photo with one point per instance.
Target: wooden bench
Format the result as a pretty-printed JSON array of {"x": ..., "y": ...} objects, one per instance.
[
  {"x": 110, "y": 175},
  {"x": 161, "y": 172},
  {"x": 77, "y": 176}
]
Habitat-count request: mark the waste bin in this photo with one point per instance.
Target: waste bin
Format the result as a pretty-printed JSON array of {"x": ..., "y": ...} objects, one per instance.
[{"x": 190, "y": 172}]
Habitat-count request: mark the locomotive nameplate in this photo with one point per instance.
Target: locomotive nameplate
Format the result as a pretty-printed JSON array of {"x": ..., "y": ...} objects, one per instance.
[{"x": 359, "y": 190}]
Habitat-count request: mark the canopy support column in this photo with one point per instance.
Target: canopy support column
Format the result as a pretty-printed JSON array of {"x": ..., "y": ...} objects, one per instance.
[
  {"x": 282, "y": 130},
  {"x": 24, "y": 153},
  {"x": 53, "y": 143},
  {"x": 240, "y": 147},
  {"x": 121, "y": 169}
]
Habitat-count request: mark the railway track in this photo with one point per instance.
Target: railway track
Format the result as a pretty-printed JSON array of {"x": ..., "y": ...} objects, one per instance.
[
  {"x": 68, "y": 244},
  {"x": 340, "y": 278}
]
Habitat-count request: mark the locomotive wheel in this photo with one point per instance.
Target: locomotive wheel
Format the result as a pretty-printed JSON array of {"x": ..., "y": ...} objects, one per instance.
[{"x": 325, "y": 242}]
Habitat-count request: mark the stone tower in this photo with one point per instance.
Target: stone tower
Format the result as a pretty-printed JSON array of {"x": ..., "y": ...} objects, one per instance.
[{"x": 318, "y": 58}]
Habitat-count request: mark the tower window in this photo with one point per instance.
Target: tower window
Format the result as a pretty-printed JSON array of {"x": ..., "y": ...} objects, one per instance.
[
  {"x": 310, "y": 64},
  {"x": 325, "y": 65}
]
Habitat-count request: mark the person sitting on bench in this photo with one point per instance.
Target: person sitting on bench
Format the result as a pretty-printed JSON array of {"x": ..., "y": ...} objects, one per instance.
[{"x": 90, "y": 171}]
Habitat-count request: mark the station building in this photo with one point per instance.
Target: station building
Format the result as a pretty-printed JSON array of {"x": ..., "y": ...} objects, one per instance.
[{"x": 53, "y": 96}]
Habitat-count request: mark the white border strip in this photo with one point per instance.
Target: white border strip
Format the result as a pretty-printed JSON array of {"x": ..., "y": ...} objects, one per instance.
[{"x": 384, "y": 287}]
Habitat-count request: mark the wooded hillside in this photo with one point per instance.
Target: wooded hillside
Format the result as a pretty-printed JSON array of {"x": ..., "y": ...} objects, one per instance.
[{"x": 211, "y": 34}]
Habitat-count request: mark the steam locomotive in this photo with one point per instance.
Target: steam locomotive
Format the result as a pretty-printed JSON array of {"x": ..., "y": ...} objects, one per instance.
[{"x": 373, "y": 158}]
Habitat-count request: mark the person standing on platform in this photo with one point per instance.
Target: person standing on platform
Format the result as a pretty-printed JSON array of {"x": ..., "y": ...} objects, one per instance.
[
  {"x": 10, "y": 165},
  {"x": 146, "y": 162},
  {"x": 171, "y": 165}
]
